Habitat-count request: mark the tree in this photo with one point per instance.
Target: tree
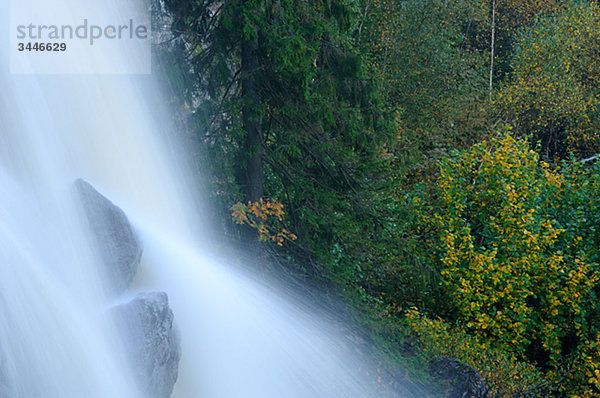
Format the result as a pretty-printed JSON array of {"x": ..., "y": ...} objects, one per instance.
[
  {"x": 434, "y": 79},
  {"x": 554, "y": 92},
  {"x": 286, "y": 110},
  {"x": 493, "y": 26}
]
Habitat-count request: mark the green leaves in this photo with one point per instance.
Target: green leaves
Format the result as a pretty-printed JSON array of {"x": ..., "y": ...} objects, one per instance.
[
  {"x": 500, "y": 244},
  {"x": 316, "y": 109},
  {"x": 512, "y": 258},
  {"x": 554, "y": 91}
]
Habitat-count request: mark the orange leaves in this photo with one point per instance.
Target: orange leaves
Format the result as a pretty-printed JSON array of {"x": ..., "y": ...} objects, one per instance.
[
  {"x": 266, "y": 216},
  {"x": 259, "y": 210},
  {"x": 238, "y": 213}
]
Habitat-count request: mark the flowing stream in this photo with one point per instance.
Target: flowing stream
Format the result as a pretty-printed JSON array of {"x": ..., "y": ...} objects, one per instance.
[{"x": 238, "y": 338}]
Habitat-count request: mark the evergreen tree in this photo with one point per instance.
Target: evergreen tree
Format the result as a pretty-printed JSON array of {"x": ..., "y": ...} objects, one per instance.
[{"x": 284, "y": 105}]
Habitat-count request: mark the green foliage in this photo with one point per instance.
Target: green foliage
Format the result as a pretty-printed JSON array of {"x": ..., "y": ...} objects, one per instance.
[
  {"x": 433, "y": 80},
  {"x": 509, "y": 18},
  {"x": 554, "y": 93},
  {"x": 498, "y": 244},
  {"x": 519, "y": 267},
  {"x": 504, "y": 374},
  {"x": 321, "y": 128}
]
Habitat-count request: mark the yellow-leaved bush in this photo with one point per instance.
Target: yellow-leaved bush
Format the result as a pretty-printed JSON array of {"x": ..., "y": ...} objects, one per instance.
[
  {"x": 517, "y": 256},
  {"x": 504, "y": 374}
]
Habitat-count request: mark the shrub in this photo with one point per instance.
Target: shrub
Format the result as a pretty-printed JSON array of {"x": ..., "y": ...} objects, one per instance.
[{"x": 518, "y": 258}]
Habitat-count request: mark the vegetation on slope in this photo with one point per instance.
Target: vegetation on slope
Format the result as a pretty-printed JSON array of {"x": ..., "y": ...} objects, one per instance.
[{"x": 422, "y": 159}]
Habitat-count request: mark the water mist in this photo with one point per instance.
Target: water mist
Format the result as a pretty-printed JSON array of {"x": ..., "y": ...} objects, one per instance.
[{"x": 238, "y": 338}]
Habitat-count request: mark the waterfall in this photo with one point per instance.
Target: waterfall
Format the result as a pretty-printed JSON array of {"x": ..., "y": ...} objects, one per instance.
[{"x": 238, "y": 337}]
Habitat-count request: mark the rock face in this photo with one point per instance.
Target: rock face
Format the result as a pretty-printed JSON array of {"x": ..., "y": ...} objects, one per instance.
[
  {"x": 5, "y": 390},
  {"x": 146, "y": 325},
  {"x": 459, "y": 380},
  {"x": 120, "y": 248},
  {"x": 146, "y": 322}
]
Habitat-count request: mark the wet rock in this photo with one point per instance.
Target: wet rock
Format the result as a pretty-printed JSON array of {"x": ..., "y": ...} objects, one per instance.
[
  {"x": 119, "y": 247},
  {"x": 5, "y": 390},
  {"x": 146, "y": 326},
  {"x": 458, "y": 380}
]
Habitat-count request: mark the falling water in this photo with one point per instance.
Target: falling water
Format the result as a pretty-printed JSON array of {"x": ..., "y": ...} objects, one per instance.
[{"x": 238, "y": 338}]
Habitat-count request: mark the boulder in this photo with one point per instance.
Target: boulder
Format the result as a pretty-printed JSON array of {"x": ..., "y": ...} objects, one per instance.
[
  {"x": 5, "y": 390},
  {"x": 146, "y": 326},
  {"x": 458, "y": 380},
  {"x": 118, "y": 245}
]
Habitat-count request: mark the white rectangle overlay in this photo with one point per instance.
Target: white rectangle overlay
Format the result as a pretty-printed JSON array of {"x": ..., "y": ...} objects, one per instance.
[{"x": 80, "y": 37}]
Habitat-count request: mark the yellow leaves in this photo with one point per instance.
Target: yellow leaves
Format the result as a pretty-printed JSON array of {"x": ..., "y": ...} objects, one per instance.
[
  {"x": 552, "y": 94},
  {"x": 595, "y": 380},
  {"x": 505, "y": 376},
  {"x": 263, "y": 216},
  {"x": 499, "y": 253},
  {"x": 553, "y": 179}
]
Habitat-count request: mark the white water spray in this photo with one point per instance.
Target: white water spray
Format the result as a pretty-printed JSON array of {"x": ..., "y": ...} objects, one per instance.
[{"x": 238, "y": 339}]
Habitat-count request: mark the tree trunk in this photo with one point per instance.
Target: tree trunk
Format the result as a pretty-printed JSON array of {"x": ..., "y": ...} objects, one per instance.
[
  {"x": 492, "y": 48},
  {"x": 251, "y": 176},
  {"x": 253, "y": 144}
]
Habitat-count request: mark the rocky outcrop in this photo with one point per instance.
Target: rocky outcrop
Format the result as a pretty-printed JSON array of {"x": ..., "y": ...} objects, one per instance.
[
  {"x": 146, "y": 325},
  {"x": 458, "y": 380},
  {"x": 5, "y": 390},
  {"x": 118, "y": 245}
]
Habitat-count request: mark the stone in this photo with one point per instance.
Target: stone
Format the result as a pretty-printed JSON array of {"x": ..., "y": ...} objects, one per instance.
[
  {"x": 119, "y": 247},
  {"x": 146, "y": 326},
  {"x": 458, "y": 379}
]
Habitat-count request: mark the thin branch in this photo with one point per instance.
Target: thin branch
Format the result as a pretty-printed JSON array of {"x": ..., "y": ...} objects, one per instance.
[
  {"x": 225, "y": 94},
  {"x": 592, "y": 158}
]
